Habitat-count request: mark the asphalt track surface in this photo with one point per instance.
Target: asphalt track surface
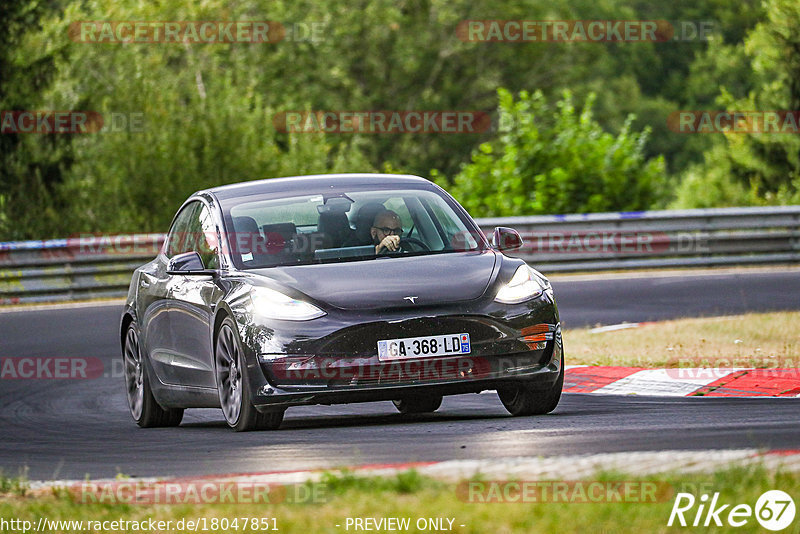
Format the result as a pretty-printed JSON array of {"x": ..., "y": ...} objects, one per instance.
[{"x": 74, "y": 428}]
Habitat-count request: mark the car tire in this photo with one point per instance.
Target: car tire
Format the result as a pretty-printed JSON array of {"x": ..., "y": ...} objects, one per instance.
[
  {"x": 418, "y": 405},
  {"x": 142, "y": 404},
  {"x": 233, "y": 384},
  {"x": 524, "y": 399}
]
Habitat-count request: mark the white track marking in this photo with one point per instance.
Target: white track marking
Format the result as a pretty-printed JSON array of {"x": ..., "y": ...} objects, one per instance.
[{"x": 665, "y": 382}]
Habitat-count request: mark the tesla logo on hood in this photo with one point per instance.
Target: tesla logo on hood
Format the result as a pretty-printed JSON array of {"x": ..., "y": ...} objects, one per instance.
[{"x": 412, "y": 300}]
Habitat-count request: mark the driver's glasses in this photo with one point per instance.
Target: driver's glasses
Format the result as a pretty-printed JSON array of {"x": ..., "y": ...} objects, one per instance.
[{"x": 389, "y": 231}]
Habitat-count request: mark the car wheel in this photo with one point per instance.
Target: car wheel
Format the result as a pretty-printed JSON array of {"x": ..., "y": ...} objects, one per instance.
[
  {"x": 234, "y": 387},
  {"x": 418, "y": 405},
  {"x": 143, "y": 406},
  {"x": 523, "y": 399}
]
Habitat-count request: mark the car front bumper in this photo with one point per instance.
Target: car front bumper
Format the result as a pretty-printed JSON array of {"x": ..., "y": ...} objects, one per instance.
[
  {"x": 522, "y": 344},
  {"x": 269, "y": 396}
]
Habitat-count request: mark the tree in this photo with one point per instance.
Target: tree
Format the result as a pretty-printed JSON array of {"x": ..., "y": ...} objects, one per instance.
[
  {"x": 30, "y": 168},
  {"x": 556, "y": 159},
  {"x": 756, "y": 168}
]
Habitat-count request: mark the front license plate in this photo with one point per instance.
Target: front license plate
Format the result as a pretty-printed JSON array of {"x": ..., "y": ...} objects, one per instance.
[{"x": 423, "y": 347}]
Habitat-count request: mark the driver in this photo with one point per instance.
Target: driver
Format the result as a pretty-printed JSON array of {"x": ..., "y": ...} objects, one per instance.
[{"x": 386, "y": 231}]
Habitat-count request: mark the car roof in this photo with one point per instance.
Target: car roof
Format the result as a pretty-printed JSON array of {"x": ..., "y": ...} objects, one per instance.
[{"x": 295, "y": 184}]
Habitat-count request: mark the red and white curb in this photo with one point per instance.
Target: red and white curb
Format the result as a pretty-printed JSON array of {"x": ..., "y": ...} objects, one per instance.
[
  {"x": 572, "y": 467},
  {"x": 683, "y": 382}
]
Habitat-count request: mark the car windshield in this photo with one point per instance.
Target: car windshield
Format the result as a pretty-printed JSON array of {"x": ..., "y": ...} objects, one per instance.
[{"x": 343, "y": 226}]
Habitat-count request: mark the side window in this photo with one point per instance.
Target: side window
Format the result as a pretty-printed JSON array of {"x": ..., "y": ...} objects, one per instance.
[
  {"x": 398, "y": 205},
  {"x": 206, "y": 238},
  {"x": 194, "y": 231},
  {"x": 456, "y": 234},
  {"x": 448, "y": 223},
  {"x": 180, "y": 239}
]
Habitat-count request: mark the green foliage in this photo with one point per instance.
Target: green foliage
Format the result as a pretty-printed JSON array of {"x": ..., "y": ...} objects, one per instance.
[
  {"x": 436, "y": 499},
  {"x": 205, "y": 123},
  {"x": 404, "y": 482},
  {"x": 18, "y": 486},
  {"x": 755, "y": 169},
  {"x": 712, "y": 187},
  {"x": 28, "y": 171},
  {"x": 556, "y": 159},
  {"x": 208, "y": 108}
]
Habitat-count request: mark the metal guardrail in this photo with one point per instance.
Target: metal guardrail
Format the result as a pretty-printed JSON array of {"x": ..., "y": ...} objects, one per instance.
[
  {"x": 74, "y": 268},
  {"x": 657, "y": 239},
  {"x": 96, "y": 267}
]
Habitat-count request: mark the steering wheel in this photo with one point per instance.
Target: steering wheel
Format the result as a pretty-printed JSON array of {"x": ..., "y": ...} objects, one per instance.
[
  {"x": 408, "y": 241},
  {"x": 413, "y": 241}
]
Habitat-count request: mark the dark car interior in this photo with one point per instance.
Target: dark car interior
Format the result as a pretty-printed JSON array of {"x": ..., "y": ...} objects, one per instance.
[
  {"x": 333, "y": 231},
  {"x": 336, "y": 228}
]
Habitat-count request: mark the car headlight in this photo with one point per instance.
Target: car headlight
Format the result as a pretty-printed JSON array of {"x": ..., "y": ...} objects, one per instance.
[
  {"x": 273, "y": 304},
  {"x": 526, "y": 284}
]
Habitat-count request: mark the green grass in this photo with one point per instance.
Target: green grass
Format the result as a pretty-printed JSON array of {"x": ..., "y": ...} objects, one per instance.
[
  {"x": 412, "y": 495},
  {"x": 17, "y": 485},
  {"x": 762, "y": 340}
]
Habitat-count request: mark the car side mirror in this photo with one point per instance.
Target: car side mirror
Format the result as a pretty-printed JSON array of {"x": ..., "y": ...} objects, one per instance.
[
  {"x": 188, "y": 263},
  {"x": 506, "y": 238}
]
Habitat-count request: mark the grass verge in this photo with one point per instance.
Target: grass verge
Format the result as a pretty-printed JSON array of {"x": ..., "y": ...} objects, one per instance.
[
  {"x": 410, "y": 495},
  {"x": 762, "y": 340}
]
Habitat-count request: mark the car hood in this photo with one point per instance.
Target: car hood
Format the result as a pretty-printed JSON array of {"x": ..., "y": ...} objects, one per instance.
[{"x": 385, "y": 282}]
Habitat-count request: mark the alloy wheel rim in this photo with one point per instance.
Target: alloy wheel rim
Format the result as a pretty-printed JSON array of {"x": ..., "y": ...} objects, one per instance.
[
  {"x": 134, "y": 374},
  {"x": 229, "y": 375}
]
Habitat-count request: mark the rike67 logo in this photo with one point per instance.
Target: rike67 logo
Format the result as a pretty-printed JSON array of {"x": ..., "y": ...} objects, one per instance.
[{"x": 774, "y": 510}]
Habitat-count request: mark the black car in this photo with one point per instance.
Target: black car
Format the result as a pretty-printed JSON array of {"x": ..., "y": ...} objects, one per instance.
[{"x": 284, "y": 292}]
